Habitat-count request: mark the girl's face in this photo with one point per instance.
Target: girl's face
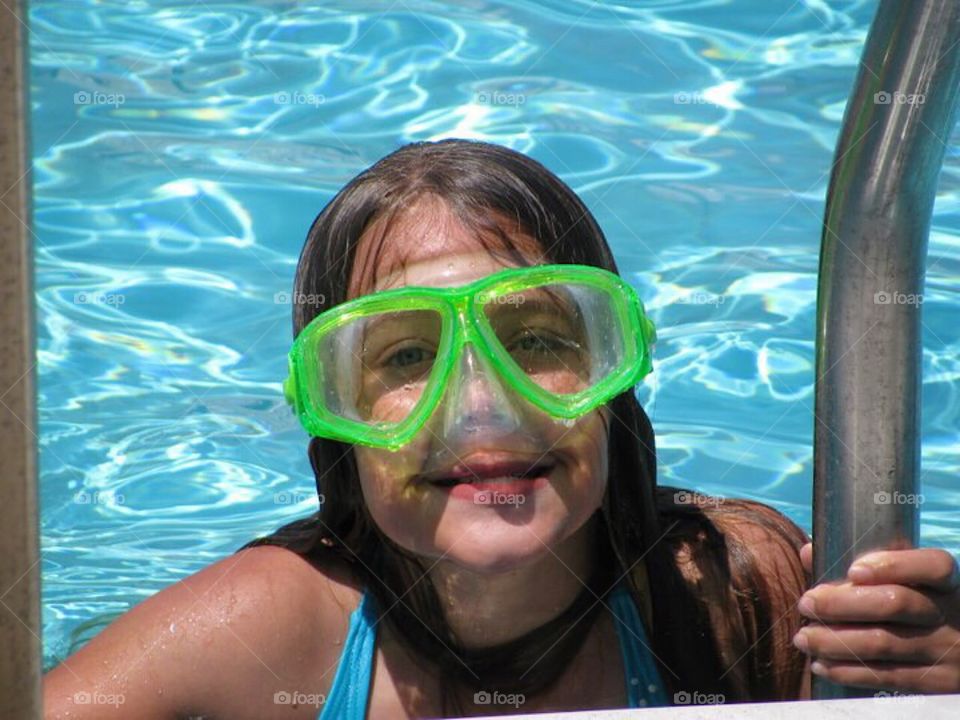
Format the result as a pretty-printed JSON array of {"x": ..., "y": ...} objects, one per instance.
[{"x": 487, "y": 531}]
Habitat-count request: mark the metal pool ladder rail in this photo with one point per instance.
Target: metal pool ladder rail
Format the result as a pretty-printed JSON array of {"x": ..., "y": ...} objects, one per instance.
[
  {"x": 20, "y": 648},
  {"x": 868, "y": 343}
]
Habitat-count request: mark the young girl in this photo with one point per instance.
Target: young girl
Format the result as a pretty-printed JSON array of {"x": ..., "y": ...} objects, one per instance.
[{"x": 491, "y": 539}]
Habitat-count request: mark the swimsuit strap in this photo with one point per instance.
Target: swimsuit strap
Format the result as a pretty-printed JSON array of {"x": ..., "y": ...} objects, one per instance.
[
  {"x": 349, "y": 692},
  {"x": 645, "y": 687}
]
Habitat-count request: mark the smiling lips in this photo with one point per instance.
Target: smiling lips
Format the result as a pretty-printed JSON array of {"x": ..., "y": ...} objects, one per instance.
[
  {"x": 486, "y": 472},
  {"x": 505, "y": 476}
]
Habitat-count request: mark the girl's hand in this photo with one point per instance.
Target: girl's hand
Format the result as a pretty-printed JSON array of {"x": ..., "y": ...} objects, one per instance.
[{"x": 894, "y": 623}]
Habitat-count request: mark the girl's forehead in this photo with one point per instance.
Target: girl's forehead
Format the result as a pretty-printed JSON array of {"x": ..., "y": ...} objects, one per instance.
[
  {"x": 444, "y": 270},
  {"x": 434, "y": 251}
]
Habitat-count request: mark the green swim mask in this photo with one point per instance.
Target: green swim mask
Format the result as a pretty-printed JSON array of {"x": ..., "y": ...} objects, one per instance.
[{"x": 373, "y": 370}]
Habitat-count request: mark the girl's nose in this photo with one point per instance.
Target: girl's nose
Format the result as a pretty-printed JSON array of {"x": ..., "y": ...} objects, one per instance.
[{"x": 477, "y": 400}]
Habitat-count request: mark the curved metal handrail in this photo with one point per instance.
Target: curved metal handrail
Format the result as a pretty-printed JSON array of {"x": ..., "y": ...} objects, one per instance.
[{"x": 869, "y": 299}]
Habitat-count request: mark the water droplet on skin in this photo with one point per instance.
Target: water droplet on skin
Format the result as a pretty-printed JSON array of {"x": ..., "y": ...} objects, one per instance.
[{"x": 173, "y": 628}]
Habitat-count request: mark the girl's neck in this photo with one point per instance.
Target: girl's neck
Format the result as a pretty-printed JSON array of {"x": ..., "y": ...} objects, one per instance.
[{"x": 488, "y": 609}]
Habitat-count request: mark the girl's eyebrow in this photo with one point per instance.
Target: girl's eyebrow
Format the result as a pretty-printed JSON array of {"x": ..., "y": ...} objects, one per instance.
[{"x": 540, "y": 306}]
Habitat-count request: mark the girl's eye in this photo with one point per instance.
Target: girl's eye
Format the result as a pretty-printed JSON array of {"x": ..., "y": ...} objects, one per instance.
[
  {"x": 405, "y": 357},
  {"x": 542, "y": 342},
  {"x": 530, "y": 343}
]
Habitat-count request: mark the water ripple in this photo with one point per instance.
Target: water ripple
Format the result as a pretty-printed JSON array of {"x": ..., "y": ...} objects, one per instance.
[{"x": 181, "y": 152}]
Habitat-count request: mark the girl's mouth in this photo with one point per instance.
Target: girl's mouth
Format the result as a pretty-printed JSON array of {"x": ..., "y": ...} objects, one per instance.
[{"x": 493, "y": 486}]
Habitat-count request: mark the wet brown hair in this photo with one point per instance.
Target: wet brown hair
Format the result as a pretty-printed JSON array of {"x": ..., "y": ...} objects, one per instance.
[{"x": 722, "y": 610}]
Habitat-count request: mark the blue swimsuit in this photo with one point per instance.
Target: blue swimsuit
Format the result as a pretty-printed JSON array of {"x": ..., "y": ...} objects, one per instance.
[{"x": 351, "y": 685}]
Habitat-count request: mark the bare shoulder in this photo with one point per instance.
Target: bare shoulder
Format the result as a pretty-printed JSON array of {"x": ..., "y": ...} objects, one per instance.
[{"x": 219, "y": 643}]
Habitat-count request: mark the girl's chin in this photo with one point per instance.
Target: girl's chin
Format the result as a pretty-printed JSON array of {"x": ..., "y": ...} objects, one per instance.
[
  {"x": 495, "y": 550},
  {"x": 491, "y": 563}
]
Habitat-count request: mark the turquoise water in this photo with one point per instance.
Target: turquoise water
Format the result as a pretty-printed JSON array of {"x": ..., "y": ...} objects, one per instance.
[{"x": 182, "y": 151}]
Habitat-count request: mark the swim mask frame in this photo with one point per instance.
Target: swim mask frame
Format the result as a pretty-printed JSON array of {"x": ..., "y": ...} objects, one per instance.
[{"x": 463, "y": 322}]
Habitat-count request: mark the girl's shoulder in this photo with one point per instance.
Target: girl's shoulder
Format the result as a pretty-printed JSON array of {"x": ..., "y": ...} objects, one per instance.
[
  {"x": 328, "y": 587},
  {"x": 232, "y": 640},
  {"x": 305, "y": 599}
]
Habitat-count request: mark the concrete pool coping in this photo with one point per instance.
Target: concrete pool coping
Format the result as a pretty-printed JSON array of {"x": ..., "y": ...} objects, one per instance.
[{"x": 892, "y": 707}]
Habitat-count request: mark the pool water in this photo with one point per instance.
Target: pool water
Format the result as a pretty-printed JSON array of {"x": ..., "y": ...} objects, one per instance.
[{"x": 181, "y": 151}]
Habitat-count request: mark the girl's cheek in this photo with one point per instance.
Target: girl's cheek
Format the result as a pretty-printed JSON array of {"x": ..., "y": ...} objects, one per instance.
[
  {"x": 380, "y": 480},
  {"x": 587, "y": 450},
  {"x": 398, "y": 506}
]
